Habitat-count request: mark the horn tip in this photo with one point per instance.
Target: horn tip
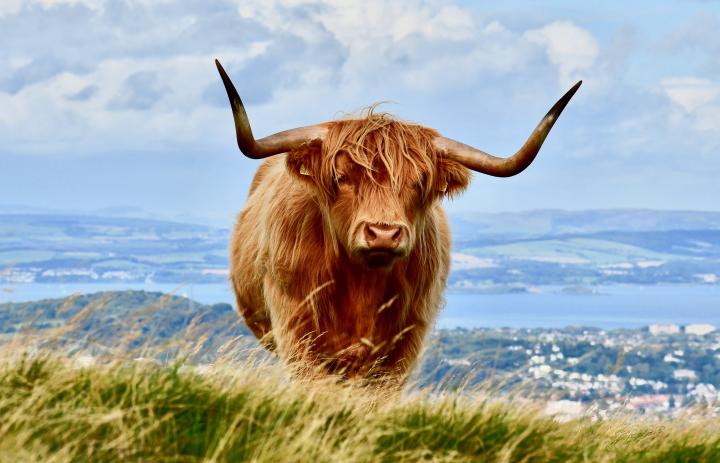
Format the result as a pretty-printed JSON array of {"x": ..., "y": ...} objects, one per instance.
[
  {"x": 565, "y": 99},
  {"x": 575, "y": 87}
]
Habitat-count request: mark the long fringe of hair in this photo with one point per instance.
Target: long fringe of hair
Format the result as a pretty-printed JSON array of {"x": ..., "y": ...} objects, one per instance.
[{"x": 378, "y": 142}]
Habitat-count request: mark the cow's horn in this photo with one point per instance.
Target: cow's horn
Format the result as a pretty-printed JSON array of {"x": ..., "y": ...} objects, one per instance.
[
  {"x": 280, "y": 142},
  {"x": 480, "y": 161}
]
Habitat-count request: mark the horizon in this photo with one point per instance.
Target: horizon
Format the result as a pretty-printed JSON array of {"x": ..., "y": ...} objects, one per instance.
[{"x": 136, "y": 212}]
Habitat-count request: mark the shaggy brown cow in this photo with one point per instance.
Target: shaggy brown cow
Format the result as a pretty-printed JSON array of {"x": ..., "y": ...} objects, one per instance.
[{"x": 341, "y": 254}]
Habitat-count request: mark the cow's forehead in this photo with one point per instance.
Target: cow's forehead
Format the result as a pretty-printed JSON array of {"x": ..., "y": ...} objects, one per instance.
[
  {"x": 381, "y": 149},
  {"x": 379, "y": 169}
]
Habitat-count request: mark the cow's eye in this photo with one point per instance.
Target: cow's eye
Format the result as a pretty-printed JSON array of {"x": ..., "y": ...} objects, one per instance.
[{"x": 341, "y": 179}]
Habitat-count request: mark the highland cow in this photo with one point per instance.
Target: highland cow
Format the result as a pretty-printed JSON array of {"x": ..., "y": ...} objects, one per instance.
[{"x": 341, "y": 255}]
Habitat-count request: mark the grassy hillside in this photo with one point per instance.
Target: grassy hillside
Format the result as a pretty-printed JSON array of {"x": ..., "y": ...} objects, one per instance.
[
  {"x": 603, "y": 369},
  {"x": 122, "y": 403},
  {"x": 123, "y": 322},
  {"x": 57, "y": 410}
]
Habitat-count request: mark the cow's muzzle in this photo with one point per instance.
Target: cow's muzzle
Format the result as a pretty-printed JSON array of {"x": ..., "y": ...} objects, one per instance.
[{"x": 382, "y": 243}]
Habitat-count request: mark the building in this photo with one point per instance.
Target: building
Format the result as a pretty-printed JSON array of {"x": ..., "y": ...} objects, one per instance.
[
  {"x": 659, "y": 328},
  {"x": 684, "y": 373},
  {"x": 699, "y": 329},
  {"x": 649, "y": 402}
]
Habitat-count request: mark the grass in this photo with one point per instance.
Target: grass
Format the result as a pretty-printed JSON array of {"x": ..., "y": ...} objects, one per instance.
[
  {"x": 53, "y": 409},
  {"x": 114, "y": 406}
]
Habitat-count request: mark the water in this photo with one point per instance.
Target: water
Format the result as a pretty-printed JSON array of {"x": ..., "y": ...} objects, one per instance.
[
  {"x": 204, "y": 293},
  {"x": 620, "y": 306}
]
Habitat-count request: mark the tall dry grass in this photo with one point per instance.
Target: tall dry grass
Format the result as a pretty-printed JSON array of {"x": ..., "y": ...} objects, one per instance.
[
  {"x": 54, "y": 409},
  {"x": 59, "y": 405}
]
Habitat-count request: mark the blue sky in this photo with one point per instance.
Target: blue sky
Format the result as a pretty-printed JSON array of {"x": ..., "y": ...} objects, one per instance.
[{"x": 117, "y": 103}]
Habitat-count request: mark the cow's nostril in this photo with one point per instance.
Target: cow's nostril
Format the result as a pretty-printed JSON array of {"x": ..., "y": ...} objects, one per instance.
[
  {"x": 381, "y": 236},
  {"x": 398, "y": 233}
]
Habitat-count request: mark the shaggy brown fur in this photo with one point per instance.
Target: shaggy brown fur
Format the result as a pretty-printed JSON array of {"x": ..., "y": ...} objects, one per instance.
[{"x": 300, "y": 283}]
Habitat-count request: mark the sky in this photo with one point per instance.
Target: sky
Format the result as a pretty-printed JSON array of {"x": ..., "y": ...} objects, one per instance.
[{"x": 108, "y": 104}]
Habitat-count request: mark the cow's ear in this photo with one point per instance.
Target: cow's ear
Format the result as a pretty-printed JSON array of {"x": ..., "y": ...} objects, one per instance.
[
  {"x": 304, "y": 162},
  {"x": 452, "y": 178}
]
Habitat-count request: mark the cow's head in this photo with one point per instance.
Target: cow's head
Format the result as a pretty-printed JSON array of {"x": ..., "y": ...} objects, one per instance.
[{"x": 375, "y": 176}]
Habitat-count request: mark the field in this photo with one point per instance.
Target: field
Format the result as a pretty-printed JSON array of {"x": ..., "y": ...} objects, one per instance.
[
  {"x": 491, "y": 252},
  {"x": 59, "y": 409}
]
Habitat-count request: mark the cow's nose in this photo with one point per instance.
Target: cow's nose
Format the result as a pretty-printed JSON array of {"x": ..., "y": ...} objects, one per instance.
[{"x": 383, "y": 236}]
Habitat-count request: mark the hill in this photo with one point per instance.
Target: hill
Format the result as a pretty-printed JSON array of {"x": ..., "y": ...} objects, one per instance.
[
  {"x": 490, "y": 252},
  {"x": 549, "y": 222},
  {"x": 603, "y": 371},
  {"x": 595, "y": 247},
  {"x": 58, "y": 410},
  {"x": 57, "y": 248},
  {"x": 124, "y": 323}
]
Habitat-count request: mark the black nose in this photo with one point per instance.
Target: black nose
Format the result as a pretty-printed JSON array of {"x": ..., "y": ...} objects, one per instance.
[{"x": 383, "y": 236}]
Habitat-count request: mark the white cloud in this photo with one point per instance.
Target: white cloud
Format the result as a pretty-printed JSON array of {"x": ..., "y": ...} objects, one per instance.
[
  {"x": 357, "y": 24},
  {"x": 690, "y": 93},
  {"x": 151, "y": 71},
  {"x": 61, "y": 124},
  {"x": 571, "y": 48},
  {"x": 11, "y": 7},
  {"x": 417, "y": 44},
  {"x": 698, "y": 98},
  {"x": 95, "y": 5}
]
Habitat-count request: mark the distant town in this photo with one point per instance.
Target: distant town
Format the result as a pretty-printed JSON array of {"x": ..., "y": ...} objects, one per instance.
[{"x": 663, "y": 369}]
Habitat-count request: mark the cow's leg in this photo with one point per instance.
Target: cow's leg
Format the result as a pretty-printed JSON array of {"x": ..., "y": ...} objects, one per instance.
[
  {"x": 255, "y": 313},
  {"x": 293, "y": 329},
  {"x": 402, "y": 354}
]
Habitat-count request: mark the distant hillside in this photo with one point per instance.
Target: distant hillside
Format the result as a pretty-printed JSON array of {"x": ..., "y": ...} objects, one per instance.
[
  {"x": 490, "y": 251},
  {"x": 124, "y": 321},
  {"x": 598, "y": 247},
  {"x": 57, "y": 248},
  {"x": 539, "y": 223}
]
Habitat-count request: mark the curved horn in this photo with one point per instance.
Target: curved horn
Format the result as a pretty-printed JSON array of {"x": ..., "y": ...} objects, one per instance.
[
  {"x": 480, "y": 161},
  {"x": 280, "y": 142}
]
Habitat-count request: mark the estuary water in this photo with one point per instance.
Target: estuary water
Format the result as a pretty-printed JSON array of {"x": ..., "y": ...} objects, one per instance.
[{"x": 618, "y": 306}]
